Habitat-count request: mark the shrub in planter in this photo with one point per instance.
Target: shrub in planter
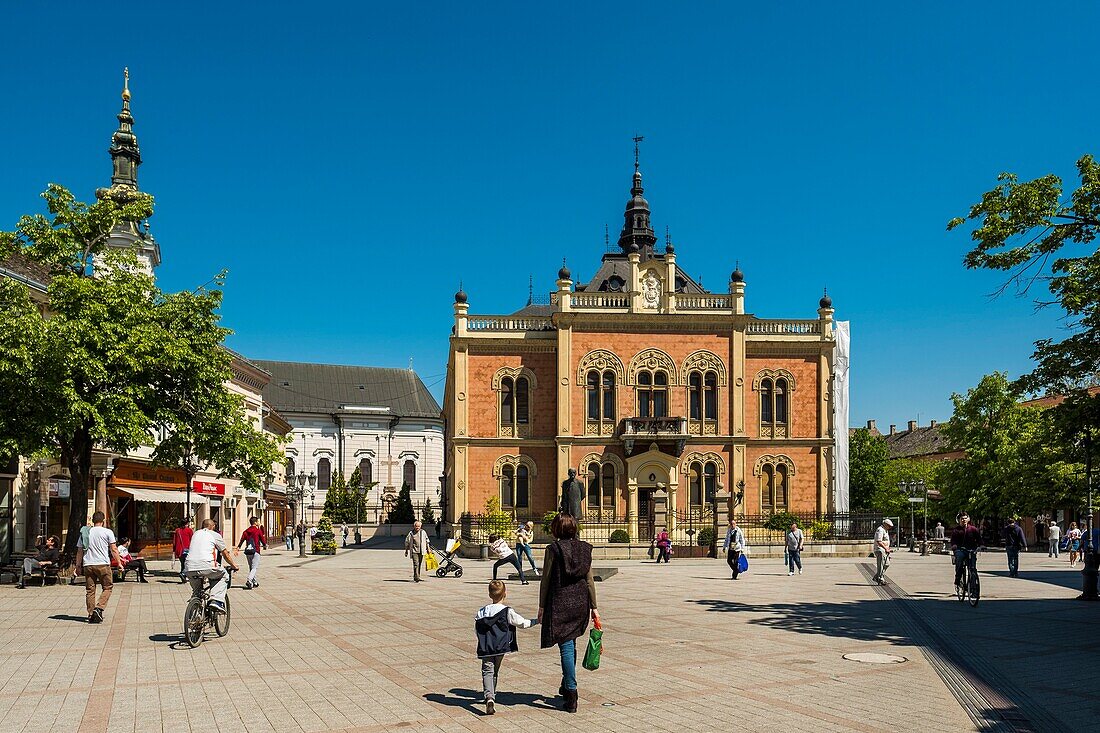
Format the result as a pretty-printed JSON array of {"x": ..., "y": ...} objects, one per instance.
[
  {"x": 619, "y": 536},
  {"x": 820, "y": 530},
  {"x": 706, "y": 537},
  {"x": 547, "y": 519},
  {"x": 324, "y": 542},
  {"x": 780, "y": 522}
]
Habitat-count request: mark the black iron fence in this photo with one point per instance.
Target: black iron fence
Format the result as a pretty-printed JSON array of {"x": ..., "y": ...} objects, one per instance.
[{"x": 691, "y": 528}]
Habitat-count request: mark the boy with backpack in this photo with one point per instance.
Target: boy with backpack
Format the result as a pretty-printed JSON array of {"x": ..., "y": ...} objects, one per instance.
[{"x": 495, "y": 626}]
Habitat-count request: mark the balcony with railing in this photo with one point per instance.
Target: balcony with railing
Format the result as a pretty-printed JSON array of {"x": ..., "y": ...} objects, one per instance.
[
  {"x": 504, "y": 324},
  {"x": 639, "y": 432},
  {"x": 802, "y": 327}
]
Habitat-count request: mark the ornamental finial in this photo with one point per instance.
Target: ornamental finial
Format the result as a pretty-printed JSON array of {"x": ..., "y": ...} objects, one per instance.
[{"x": 126, "y": 84}]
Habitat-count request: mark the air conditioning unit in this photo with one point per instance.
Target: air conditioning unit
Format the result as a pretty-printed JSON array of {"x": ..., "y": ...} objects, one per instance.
[{"x": 230, "y": 502}]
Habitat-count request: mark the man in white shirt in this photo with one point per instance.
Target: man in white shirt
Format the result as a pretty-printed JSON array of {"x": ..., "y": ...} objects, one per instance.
[
  {"x": 882, "y": 550},
  {"x": 1054, "y": 537},
  {"x": 206, "y": 546},
  {"x": 93, "y": 561}
]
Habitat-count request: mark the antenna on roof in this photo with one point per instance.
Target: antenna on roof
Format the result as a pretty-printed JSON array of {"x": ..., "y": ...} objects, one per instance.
[
  {"x": 606, "y": 237},
  {"x": 530, "y": 289},
  {"x": 637, "y": 139}
]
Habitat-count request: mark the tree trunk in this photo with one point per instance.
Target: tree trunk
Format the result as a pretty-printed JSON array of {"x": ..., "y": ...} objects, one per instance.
[{"x": 77, "y": 457}]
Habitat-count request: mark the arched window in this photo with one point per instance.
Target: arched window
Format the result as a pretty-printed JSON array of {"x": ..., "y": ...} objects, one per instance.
[
  {"x": 600, "y": 390},
  {"x": 324, "y": 474},
  {"x": 289, "y": 468},
  {"x": 366, "y": 472},
  {"x": 507, "y": 487},
  {"x": 514, "y": 476},
  {"x": 652, "y": 393},
  {"x": 702, "y": 484},
  {"x": 602, "y": 490},
  {"x": 774, "y": 488},
  {"x": 703, "y": 401},
  {"x": 523, "y": 488},
  {"x": 408, "y": 474},
  {"x": 767, "y": 400},
  {"x": 775, "y": 387},
  {"x": 515, "y": 403}
]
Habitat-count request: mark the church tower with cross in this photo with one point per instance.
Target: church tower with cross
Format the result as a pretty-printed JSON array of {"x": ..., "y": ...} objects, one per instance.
[{"x": 125, "y": 160}]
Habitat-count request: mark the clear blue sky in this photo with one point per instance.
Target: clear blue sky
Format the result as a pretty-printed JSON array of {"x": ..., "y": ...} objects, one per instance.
[{"x": 349, "y": 164}]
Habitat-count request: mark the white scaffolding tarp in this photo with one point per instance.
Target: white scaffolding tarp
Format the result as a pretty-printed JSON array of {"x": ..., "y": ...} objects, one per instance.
[{"x": 840, "y": 412}]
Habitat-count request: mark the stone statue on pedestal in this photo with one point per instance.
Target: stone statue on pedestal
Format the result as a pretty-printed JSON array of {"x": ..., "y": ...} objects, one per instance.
[{"x": 572, "y": 493}]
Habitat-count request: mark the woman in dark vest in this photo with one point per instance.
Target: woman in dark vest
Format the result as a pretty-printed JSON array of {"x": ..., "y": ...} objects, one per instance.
[{"x": 566, "y": 597}]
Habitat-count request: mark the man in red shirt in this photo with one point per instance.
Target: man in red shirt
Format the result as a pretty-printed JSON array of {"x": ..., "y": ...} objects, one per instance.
[
  {"x": 181, "y": 541},
  {"x": 252, "y": 539},
  {"x": 965, "y": 540}
]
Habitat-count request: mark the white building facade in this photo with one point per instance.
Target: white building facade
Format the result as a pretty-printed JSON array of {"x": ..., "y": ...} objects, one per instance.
[{"x": 383, "y": 422}]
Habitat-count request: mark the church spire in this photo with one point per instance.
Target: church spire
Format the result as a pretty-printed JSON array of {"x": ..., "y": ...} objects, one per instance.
[
  {"x": 125, "y": 153},
  {"x": 637, "y": 234}
]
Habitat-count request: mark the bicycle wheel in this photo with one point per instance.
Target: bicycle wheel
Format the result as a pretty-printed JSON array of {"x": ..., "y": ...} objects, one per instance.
[
  {"x": 193, "y": 622},
  {"x": 975, "y": 590},
  {"x": 221, "y": 620}
]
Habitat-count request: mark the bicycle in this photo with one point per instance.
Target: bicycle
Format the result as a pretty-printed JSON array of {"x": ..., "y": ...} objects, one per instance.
[
  {"x": 970, "y": 589},
  {"x": 200, "y": 615}
]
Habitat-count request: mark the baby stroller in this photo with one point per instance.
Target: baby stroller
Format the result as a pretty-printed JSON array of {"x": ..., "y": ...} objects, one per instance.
[{"x": 447, "y": 563}]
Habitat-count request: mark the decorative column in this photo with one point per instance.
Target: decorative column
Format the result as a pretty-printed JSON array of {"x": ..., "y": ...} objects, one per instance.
[
  {"x": 632, "y": 508},
  {"x": 824, "y": 409}
]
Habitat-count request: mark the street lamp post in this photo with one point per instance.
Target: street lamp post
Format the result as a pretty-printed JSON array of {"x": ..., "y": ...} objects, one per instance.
[
  {"x": 360, "y": 492},
  {"x": 924, "y": 542},
  {"x": 298, "y": 488}
]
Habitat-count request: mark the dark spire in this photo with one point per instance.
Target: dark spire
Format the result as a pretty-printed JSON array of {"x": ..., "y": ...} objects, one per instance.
[
  {"x": 826, "y": 301},
  {"x": 530, "y": 289},
  {"x": 636, "y": 226},
  {"x": 460, "y": 296},
  {"x": 563, "y": 273},
  {"x": 125, "y": 153}
]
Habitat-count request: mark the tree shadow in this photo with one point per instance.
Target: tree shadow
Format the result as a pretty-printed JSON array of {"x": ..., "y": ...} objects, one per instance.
[
  {"x": 471, "y": 700},
  {"x": 69, "y": 617},
  {"x": 978, "y": 643},
  {"x": 1063, "y": 578}
]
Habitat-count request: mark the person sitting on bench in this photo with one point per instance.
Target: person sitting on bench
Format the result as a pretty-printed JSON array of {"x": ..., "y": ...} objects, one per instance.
[
  {"x": 47, "y": 557},
  {"x": 129, "y": 562}
]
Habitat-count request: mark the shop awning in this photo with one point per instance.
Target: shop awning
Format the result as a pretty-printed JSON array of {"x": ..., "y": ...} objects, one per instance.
[{"x": 162, "y": 496}]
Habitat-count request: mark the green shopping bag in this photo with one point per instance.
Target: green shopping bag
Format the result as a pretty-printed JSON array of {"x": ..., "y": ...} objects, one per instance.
[{"x": 595, "y": 648}]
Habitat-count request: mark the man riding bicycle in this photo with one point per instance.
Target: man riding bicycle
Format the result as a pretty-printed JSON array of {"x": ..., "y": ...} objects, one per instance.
[
  {"x": 206, "y": 546},
  {"x": 965, "y": 541}
]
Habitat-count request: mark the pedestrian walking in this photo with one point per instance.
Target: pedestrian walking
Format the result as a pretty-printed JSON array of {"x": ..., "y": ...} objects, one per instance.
[
  {"x": 344, "y": 530},
  {"x": 795, "y": 541},
  {"x": 416, "y": 547},
  {"x": 83, "y": 536},
  {"x": 939, "y": 533},
  {"x": 48, "y": 556},
  {"x": 93, "y": 561},
  {"x": 1054, "y": 538},
  {"x": 882, "y": 550},
  {"x": 524, "y": 535},
  {"x": 300, "y": 532},
  {"x": 495, "y": 626},
  {"x": 664, "y": 545},
  {"x": 734, "y": 546},
  {"x": 1015, "y": 541},
  {"x": 1040, "y": 535},
  {"x": 505, "y": 555},
  {"x": 288, "y": 536},
  {"x": 181, "y": 542},
  {"x": 1073, "y": 537},
  {"x": 567, "y": 596},
  {"x": 253, "y": 541}
]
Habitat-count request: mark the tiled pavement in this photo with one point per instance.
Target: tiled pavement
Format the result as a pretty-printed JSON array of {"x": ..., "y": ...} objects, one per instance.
[{"x": 346, "y": 643}]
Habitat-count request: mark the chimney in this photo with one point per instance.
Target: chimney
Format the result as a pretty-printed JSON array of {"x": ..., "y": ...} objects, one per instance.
[
  {"x": 893, "y": 429},
  {"x": 931, "y": 423},
  {"x": 912, "y": 425},
  {"x": 870, "y": 424}
]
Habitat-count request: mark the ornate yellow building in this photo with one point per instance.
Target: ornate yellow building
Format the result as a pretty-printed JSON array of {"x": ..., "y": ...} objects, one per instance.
[{"x": 664, "y": 397}]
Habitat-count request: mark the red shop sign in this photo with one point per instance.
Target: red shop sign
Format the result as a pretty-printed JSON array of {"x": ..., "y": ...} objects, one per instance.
[{"x": 208, "y": 487}]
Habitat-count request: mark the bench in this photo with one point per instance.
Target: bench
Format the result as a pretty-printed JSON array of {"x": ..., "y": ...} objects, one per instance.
[{"x": 49, "y": 571}]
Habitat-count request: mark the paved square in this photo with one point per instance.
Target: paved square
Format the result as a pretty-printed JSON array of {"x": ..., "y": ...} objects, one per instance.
[{"x": 346, "y": 643}]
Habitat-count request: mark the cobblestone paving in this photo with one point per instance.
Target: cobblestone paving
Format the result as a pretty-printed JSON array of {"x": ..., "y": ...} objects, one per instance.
[{"x": 346, "y": 643}]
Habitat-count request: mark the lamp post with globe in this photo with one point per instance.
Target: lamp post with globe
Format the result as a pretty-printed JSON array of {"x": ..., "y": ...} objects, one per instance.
[{"x": 298, "y": 488}]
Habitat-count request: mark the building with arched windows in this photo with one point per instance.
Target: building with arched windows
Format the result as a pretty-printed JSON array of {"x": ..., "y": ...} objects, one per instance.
[{"x": 663, "y": 396}]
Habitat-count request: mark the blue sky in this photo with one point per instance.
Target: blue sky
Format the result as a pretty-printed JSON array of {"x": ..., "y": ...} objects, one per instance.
[{"x": 349, "y": 164}]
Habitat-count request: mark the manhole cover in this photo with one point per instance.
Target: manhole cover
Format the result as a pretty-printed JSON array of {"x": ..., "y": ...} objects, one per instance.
[{"x": 875, "y": 658}]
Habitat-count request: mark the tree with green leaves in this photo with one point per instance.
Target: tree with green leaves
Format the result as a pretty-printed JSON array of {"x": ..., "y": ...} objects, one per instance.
[
  {"x": 892, "y": 500},
  {"x": 427, "y": 514},
  {"x": 111, "y": 360},
  {"x": 867, "y": 457},
  {"x": 336, "y": 499},
  {"x": 402, "y": 512},
  {"x": 1013, "y": 462}
]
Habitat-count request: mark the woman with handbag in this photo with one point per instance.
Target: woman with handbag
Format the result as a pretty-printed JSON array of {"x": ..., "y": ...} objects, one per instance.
[
  {"x": 664, "y": 545},
  {"x": 566, "y": 597}
]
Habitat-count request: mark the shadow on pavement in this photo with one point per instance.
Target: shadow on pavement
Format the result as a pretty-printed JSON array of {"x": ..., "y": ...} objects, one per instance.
[
  {"x": 984, "y": 644},
  {"x": 1064, "y": 578},
  {"x": 67, "y": 617},
  {"x": 472, "y": 700}
]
